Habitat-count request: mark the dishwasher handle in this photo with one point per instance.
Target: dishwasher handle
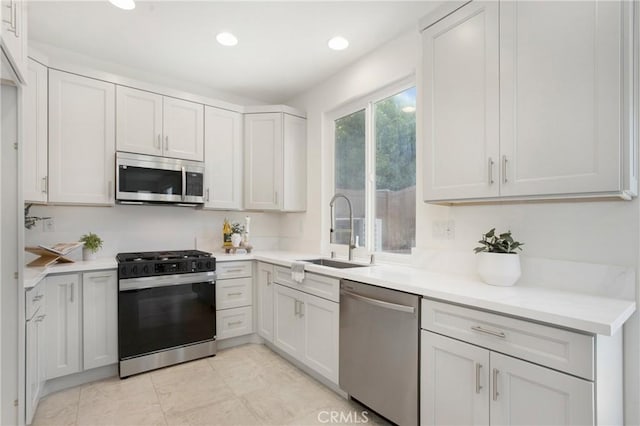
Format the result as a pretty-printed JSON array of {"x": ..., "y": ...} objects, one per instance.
[{"x": 380, "y": 303}]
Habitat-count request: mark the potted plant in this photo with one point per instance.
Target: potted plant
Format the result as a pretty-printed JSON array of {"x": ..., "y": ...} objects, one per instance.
[
  {"x": 92, "y": 243},
  {"x": 498, "y": 262},
  {"x": 236, "y": 233}
]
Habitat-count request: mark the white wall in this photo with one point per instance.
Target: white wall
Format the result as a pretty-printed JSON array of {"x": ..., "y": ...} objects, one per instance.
[
  {"x": 145, "y": 228},
  {"x": 605, "y": 232}
]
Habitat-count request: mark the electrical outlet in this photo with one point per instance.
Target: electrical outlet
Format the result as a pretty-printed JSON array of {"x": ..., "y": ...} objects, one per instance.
[{"x": 48, "y": 225}]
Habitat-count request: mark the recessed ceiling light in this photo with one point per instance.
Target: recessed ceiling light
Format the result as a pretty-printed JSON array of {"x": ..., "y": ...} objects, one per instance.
[
  {"x": 124, "y": 4},
  {"x": 409, "y": 109},
  {"x": 338, "y": 43},
  {"x": 227, "y": 39}
]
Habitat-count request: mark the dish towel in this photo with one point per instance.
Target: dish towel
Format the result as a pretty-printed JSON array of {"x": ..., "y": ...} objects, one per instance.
[{"x": 297, "y": 271}]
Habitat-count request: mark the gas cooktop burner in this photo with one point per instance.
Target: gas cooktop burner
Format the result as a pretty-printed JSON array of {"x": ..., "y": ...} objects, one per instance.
[{"x": 145, "y": 264}]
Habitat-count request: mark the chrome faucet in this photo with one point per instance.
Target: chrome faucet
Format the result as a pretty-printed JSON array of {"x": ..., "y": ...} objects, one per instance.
[{"x": 351, "y": 240}]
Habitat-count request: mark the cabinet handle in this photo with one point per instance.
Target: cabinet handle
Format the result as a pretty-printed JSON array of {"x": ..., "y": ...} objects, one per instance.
[
  {"x": 479, "y": 329},
  {"x": 296, "y": 309},
  {"x": 207, "y": 194},
  {"x": 159, "y": 144},
  {"x": 44, "y": 185},
  {"x": 504, "y": 169},
  {"x": 495, "y": 384},
  {"x": 71, "y": 293},
  {"x": 41, "y": 318},
  {"x": 36, "y": 298},
  {"x": 234, "y": 323},
  {"x": 234, "y": 270},
  {"x": 301, "y": 314},
  {"x": 166, "y": 143},
  {"x": 490, "y": 171},
  {"x": 234, "y": 294},
  {"x": 478, "y": 387},
  {"x": 268, "y": 278}
]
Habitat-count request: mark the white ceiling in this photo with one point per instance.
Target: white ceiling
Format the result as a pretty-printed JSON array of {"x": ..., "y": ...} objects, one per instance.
[{"x": 282, "y": 48}]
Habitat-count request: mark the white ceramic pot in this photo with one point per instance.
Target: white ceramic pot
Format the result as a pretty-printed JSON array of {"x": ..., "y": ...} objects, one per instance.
[
  {"x": 236, "y": 239},
  {"x": 88, "y": 254},
  {"x": 501, "y": 269}
]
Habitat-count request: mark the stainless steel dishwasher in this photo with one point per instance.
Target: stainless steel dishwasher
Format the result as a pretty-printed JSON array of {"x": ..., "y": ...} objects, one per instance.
[{"x": 379, "y": 361}]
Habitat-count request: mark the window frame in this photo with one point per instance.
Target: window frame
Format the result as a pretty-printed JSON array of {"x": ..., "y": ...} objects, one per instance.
[{"x": 367, "y": 103}]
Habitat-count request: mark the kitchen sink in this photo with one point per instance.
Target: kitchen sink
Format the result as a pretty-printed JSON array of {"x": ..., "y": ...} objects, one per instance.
[{"x": 333, "y": 263}]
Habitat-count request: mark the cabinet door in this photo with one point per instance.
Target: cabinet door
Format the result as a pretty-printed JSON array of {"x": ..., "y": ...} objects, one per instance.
[
  {"x": 561, "y": 99},
  {"x": 526, "y": 394},
  {"x": 454, "y": 382},
  {"x": 35, "y": 363},
  {"x": 234, "y": 322},
  {"x": 139, "y": 121},
  {"x": 287, "y": 326},
  {"x": 63, "y": 296},
  {"x": 264, "y": 286},
  {"x": 81, "y": 139},
  {"x": 100, "y": 318},
  {"x": 295, "y": 163},
  {"x": 14, "y": 35},
  {"x": 320, "y": 335},
  {"x": 183, "y": 129},
  {"x": 461, "y": 122},
  {"x": 35, "y": 134},
  {"x": 223, "y": 159},
  {"x": 263, "y": 161}
]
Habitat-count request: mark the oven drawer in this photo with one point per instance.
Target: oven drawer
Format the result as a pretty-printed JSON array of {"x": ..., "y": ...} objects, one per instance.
[
  {"x": 317, "y": 285},
  {"x": 234, "y": 322},
  {"x": 34, "y": 299},
  {"x": 553, "y": 347},
  {"x": 226, "y": 270},
  {"x": 233, "y": 293}
]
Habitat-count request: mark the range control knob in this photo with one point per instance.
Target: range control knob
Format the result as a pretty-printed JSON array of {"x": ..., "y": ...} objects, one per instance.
[
  {"x": 199, "y": 266},
  {"x": 123, "y": 271},
  {"x": 134, "y": 270},
  {"x": 145, "y": 269}
]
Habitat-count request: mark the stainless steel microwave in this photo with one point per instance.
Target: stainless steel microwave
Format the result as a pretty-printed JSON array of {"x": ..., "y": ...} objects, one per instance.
[{"x": 144, "y": 179}]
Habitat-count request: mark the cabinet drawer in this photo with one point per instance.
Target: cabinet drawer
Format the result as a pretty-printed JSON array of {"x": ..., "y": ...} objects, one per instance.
[
  {"x": 233, "y": 269},
  {"x": 318, "y": 285},
  {"x": 33, "y": 299},
  {"x": 233, "y": 293},
  {"x": 234, "y": 322},
  {"x": 549, "y": 346}
]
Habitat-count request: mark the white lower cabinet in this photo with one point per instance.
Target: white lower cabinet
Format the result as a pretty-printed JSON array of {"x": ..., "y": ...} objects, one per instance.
[
  {"x": 306, "y": 327},
  {"x": 35, "y": 350},
  {"x": 264, "y": 287},
  {"x": 81, "y": 326},
  {"x": 63, "y": 305},
  {"x": 99, "y": 318},
  {"x": 466, "y": 384},
  {"x": 234, "y": 300}
]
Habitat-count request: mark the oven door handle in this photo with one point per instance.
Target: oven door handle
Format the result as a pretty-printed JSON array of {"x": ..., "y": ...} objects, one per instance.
[{"x": 166, "y": 281}]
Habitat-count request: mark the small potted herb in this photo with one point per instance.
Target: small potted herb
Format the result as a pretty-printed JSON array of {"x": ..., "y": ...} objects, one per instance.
[
  {"x": 498, "y": 261},
  {"x": 92, "y": 243},
  {"x": 236, "y": 233}
]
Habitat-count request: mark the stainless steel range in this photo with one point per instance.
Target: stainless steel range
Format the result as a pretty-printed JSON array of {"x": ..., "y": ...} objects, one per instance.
[{"x": 166, "y": 309}]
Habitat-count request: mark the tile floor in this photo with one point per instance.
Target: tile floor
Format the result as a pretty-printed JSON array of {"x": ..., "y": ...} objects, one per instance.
[{"x": 245, "y": 385}]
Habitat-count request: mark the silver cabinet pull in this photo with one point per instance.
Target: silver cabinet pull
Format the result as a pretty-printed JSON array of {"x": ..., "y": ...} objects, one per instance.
[
  {"x": 159, "y": 144},
  {"x": 268, "y": 278},
  {"x": 296, "y": 310},
  {"x": 234, "y": 270},
  {"x": 301, "y": 314},
  {"x": 479, "y": 329},
  {"x": 490, "y": 171},
  {"x": 234, "y": 323},
  {"x": 38, "y": 297},
  {"x": 495, "y": 384},
  {"x": 166, "y": 143},
  {"x": 504, "y": 169},
  {"x": 207, "y": 194},
  {"x": 71, "y": 293},
  {"x": 478, "y": 387},
  {"x": 234, "y": 294},
  {"x": 44, "y": 184},
  {"x": 380, "y": 303},
  {"x": 41, "y": 317}
]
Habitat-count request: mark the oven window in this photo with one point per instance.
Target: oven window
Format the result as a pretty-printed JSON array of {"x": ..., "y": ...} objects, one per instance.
[
  {"x": 164, "y": 317},
  {"x": 150, "y": 181}
]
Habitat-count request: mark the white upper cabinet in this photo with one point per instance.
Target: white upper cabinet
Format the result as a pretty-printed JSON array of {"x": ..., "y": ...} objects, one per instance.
[
  {"x": 81, "y": 139},
  {"x": 561, "y": 97},
  {"x": 529, "y": 100},
  {"x": 152, "y": 124},
  {"x": 223, "y": 159},
  {"x": 35, "y": 134},
  {"x": 183, "y": 129},
  {"x": 139, "y": 121},
  {"x": 461, "y": 123},
  {"x": 275, "y": 162},
  {"x": 14, "y": 35}
]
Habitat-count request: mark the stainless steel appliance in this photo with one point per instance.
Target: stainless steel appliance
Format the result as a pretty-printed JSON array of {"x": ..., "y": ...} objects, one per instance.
[
  {"x": 166, "y": 309},
  {"x": 379, "y": 360},
  {"x": 142, "y": 179}
]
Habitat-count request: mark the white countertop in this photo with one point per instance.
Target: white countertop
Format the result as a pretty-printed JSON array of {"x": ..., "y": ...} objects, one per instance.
[{"x": 582, "y": 312}]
